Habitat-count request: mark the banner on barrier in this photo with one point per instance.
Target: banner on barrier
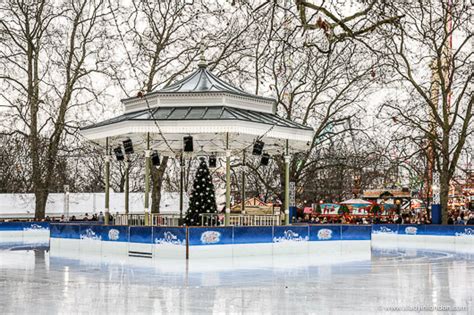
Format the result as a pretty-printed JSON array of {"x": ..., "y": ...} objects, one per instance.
[
  {"x": 290, "y": 234},
  {"x": 325, "y": 232},
  {"x": 210, "y": 236},
  {"x": 169, "y": 236},
  {"x": 24, "y": 226}
]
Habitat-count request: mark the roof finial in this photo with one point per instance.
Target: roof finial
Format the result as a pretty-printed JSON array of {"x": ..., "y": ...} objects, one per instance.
[{"x": 202, "y": 59}]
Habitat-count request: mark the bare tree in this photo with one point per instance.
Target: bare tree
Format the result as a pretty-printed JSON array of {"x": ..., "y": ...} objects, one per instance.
[
  {"x": 435, "y": 100},
  {"x": 50, "y": 55},
  {"x": 330, "y": 18}
]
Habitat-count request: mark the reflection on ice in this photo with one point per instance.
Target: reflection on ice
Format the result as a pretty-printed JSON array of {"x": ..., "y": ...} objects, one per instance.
[{"x": 35, "y": 281}]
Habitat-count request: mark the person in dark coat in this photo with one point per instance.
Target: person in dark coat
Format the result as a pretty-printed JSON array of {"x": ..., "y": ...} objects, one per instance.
[{"x": 471, "y": 220}]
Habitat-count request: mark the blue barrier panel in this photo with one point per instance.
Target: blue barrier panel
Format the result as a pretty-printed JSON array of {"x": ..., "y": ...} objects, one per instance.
[
  {"x": 140, "y": 234},
  {"x": 385, "y": 229},
  {"x": 292, "y": 214},
  {"x": 411, "y": 229},
  {"x": 90, "y": 232},
  {"x": 324, "y": 232},
  {"x": 23, "y": 226},
  {"x": 436, "y": 213},
  {"x": 68, "y": 231},
  {"x": 290, "y": 233},
  {"x": 356, "y": 232},
  {"x": 210, "y": 236},
  {"x": 253, "y": 234},
  {"x": 169, "y": 235},
  {"x": 117, "y": 233},
  {"x": 55, "y": 231},
  {"x": 439, "y": 230},
  {"x": 463, "y": 230}
]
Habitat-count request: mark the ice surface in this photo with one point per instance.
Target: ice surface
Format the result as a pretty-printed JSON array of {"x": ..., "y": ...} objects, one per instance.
[{"x": 34, "y": 282}]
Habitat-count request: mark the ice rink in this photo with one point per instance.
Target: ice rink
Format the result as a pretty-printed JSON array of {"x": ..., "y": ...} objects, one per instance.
[{"x": 389, "y": 281}]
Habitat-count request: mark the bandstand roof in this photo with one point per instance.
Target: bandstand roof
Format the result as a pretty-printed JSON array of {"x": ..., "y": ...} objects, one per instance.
[
  {"x": 211, "y": 110},
  {"x": 204, "y": 81}
]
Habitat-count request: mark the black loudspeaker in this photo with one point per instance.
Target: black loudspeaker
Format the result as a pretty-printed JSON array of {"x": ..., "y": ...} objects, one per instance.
[
  {"x": 155, "y": 158},
  {"x": 128, "y": 146},
  {"x": 212, "y": 161},
  {"x": 119, "y": 153},
  {"x": 188, "y": 144},
  {"x": 258, "y": 147},
  {"x": 265, "y": 159}
]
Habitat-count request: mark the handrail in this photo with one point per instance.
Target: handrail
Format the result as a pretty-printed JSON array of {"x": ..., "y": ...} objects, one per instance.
[
  {"x": 157, "y": 219},
  {"x": 241, "y": 220}
]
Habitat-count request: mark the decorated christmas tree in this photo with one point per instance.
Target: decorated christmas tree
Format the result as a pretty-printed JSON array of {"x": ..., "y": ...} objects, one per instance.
[{"x": 203, "y": 198}]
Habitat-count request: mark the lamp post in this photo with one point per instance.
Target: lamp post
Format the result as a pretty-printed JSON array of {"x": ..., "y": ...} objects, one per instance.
[
  {"x": 227, "y": 182},
  {"x": 286, "y": 206},
  {"x": 181, "y": 188},
  {"x": 107, "y": 180},
  {"x": 242, "y": 207},
  {"x": 66, "y": 202},
  {"x": 147, "y": 180}
]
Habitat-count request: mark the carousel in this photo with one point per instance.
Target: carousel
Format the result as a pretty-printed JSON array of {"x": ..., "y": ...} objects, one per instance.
[{"x": 199, "y": 114}]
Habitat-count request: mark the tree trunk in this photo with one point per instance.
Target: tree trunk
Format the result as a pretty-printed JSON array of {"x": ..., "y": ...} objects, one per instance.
[
  {"x": 157, "y": 176},
  {"x": 444, "y": 192},
  {"x": 444, "y": 176},
  {"x": 41, "y": 196}
]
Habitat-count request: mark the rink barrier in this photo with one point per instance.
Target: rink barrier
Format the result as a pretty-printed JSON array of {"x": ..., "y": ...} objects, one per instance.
[
  {"x": 197, "y": 241},
  {"x": 33, "y": 233},
  {"x": 185, "y": 242},
  {"x": 457, "y": 238},
  {"x": 420, "y": 229}
]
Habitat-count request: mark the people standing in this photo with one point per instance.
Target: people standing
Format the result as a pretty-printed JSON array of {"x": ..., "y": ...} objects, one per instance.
[{"x": 101, "y": 218}]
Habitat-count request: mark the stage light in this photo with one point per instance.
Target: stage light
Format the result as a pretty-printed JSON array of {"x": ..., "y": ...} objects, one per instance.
[
  {"x": 265, "y": 159},
  {"x": 155, "y": 158},
  {"x": 188, "y": 144},
  {"x": 119, "y": 153},
  {"x": 128, "y": 146},
  {"x": 258, "y": 147},
  {"x": 212, "y": 161}
]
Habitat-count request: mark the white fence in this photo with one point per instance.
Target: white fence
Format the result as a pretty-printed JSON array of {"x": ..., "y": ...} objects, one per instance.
[{"x": 23, "y": 205}]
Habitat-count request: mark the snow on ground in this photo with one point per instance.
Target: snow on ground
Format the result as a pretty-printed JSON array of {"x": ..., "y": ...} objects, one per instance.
[{"x": 80, "y": 203}]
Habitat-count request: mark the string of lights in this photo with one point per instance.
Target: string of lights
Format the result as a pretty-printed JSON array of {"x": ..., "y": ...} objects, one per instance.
[
  {"x": 140, "y": 94},
  {"x": 152, "y": 111}
]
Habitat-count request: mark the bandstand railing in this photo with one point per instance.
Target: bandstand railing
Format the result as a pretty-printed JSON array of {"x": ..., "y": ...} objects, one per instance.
[
  {"x": 241, "y": 220},
  {"x": 157, "y": 219}
]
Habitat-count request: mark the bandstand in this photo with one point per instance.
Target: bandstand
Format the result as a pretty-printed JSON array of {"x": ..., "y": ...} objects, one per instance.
[{"x": 206, "y": 113}]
